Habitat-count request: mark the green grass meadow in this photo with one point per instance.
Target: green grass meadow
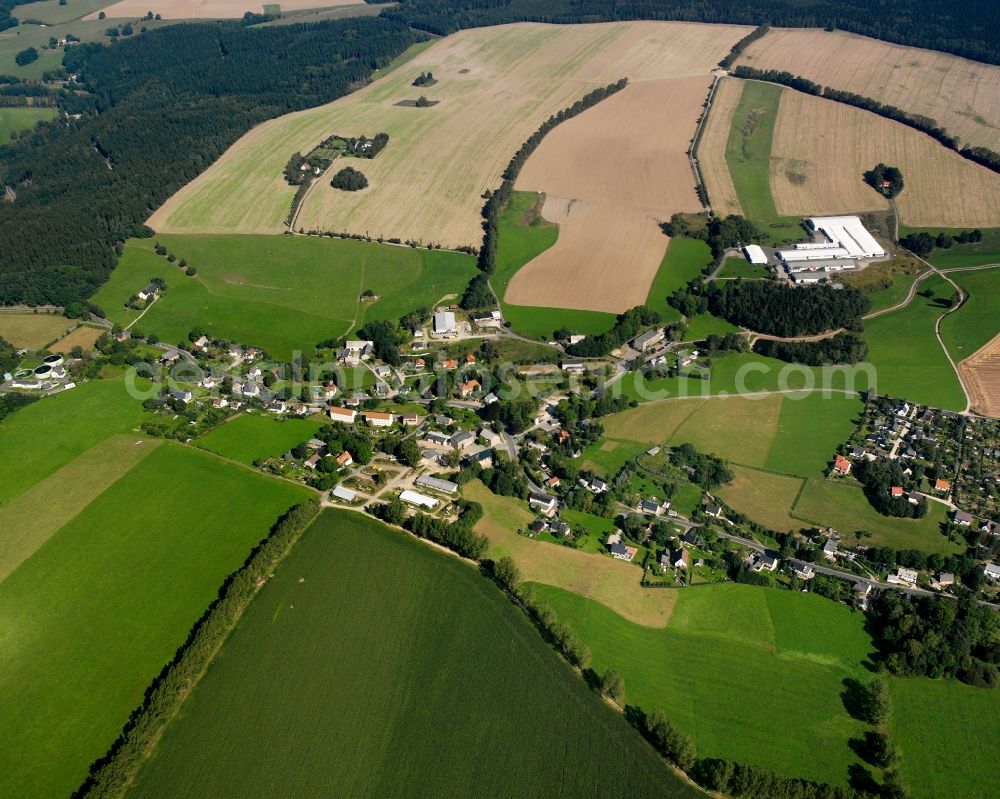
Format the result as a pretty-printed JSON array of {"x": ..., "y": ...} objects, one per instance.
[
  {"x": 978, "y": 320},
  {"x": 251, "y": 436},
  {"x": 45, "y": 436},
  {"x": 986, "y": 251},
  {"x": 748, "y": 155},
  {"x": 907, "y": 356},
  {"x": 522, "y": 235},
  {"x": 892, "y": 295},
  {"x": 751, "y": 674},
  {"x": 684, "y": 260},
  {"x": 372, "y": 665},
  {"x": 97, "y": 610},
  {"x": 947, "y": 734},
  {"x": 282, "y": 293},
  {"x": 14, "y": 120},
  {"x": 741, "y": 267}
]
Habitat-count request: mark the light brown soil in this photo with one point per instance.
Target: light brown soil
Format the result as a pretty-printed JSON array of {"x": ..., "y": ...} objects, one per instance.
[
  {"x": 712, "y": 148},
  {"x": 981, "y": 374},
  {"x": 610, "y": 176}
]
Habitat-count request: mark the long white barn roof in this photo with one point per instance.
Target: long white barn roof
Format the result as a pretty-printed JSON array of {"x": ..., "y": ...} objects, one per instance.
[
  {"x": 755, "y": 254},
  {"x": 849, "y": 233},
  {"x": 824, "y": 254}
]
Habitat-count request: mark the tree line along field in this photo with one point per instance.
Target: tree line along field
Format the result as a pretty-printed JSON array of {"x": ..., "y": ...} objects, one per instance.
[
  {"x": 634, "y": 144},
  {"x": 381, "y": 667},
  {"x": 711, "y": 152},
  {"x": 756, "y": 675},
  {"x": 99, "y": 590},
  {"x": 494, "y": 87},
  {"x": 281, "y": 293},
  {"x": 958, "y": 93}
]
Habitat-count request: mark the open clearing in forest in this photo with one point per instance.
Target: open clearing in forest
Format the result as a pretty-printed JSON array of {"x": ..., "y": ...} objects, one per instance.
[
  {"x": 494, "y": 88},
  {"x": 103, "y": 602},
  {"x": 613, "y": 583},
  {"x": 726, "y": 646},
  {"x": 821, "y": 148},
  {"x": 712, "y": 148},
  {"x": 610, "y": 176},
  {"x": 208, "y": 9},
  {"x": 281, "y": 293},
  {"x": 392, "y": 669},
  {"x": 960, "y": 94},
  {"x": 14, "y": 120},
  {"x": 981, "y": 374},
  {"x": 32, "y": 330}
]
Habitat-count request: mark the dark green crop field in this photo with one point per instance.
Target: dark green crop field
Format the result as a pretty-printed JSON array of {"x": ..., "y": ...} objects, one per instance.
[{"x": 373, "y": 666}]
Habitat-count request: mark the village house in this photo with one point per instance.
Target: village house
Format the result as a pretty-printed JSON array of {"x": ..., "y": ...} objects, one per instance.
[
  {"x": 942, "y": 485},
  {"x": 622, "y": 552},
  {"x": 841, "y": 465},
  {"x": 436, "y": 438},
  {"x": 219, "y": 402},
  {"x": 311, "y": 461},
  {"x": 713, "y": 510},
  {"x": 181, "y": 394},
  {"x": 543, "y": 503},
  {"x": 483, "y": 458},
  {"x": 487, "y": 319},
  {"x": 437, "y": 484},
  {"x": 764, "y": 563},
  {"x": 344, "y": 460},
  {"x": 410, "y": 419},
  {"x": 573, "y": 365},
  {"x": 329, "y": 391},
  {"x": 149, "y": 292},
  {"x": 552, "y": 482},
  {"x": 804, "y": 571},
  {"x": 646, "y": 341},
  {"x": 346, "y": 415},
  {"x": 207, "y": 382},
  {"x": 961, "y": 518},
  {"x": 469, "y": 388},
  {"x": 896, "y": 492},
  {"x": 914, "y": 497},
  {"x": 462, "y": 439},
  {"x": 378, "y": 419},
  {"x": 830, "y": 549},
  {"x": 276, "y": 406},
  {"x": 903, "y": 576},
  {"x": 354, "y": 352},
  {"x": 681, "y": 559},
  {"x": 991, "y": 571},
  {"x": 449, "y": 363}
]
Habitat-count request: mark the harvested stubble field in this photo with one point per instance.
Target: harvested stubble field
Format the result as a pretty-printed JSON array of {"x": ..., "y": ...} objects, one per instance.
[
  {"x": 712, "y": 148},
  {"x": 209, "y": 9},
  {"x": 981, "y": 374},
  {"x": 495, "y": 86},
  {"x": 32, "y": 330},
  {"x": 610, "y": 176},
  {"x": 83, "y": 337},
  {"x": 380, "y": 667},
  {"x": 821, "y": 148},
  {"x": 960, "y": 94}
]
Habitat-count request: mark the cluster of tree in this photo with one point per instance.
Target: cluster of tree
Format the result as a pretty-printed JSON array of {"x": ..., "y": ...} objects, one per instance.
[
  {"x": 363, "y": 147},
  {"x": 886, "y": 180},
  {"x": 967, "y": 569},
  {"x": 477, "y": 294},
  {"x": 9, "y": 359},
  {"x": 26, "y": 56},
  {"x": 386, "y": 338},
  {"x": 424, "y": 79},
  {"x": 981, "y": 155},
  {"x": 705, "y": 470},
  {"x": 160, "y": 108},
  {"x": 506, "y": 478},
  {"x": 729, "y": 342},
  {"x": 743, "y": 44},
  {"x": 498, "y": 199},
  {"x": 779, "y": 76},
  {"x": 783, "y": 310},
  {"x": 936, "y": 637},
  {"x": 720, "y": 233},
  {"x": 626, "y": 327},
  {"x": 842, "y": 348},
  {"x": 338, "y": 438},
  {"x": 349, "y": 179},
  {"x": 457, "y": 536},
  {"x": 13, "y": 400},
  {"x": 579, "y": 408},
  {"x": 879, "y": 477},
  {"x": 923, "y": 243},
  {"x": 516, "y": 414},
  {"x": 947, "y": 28},
  {"x": 252, "y": 18},
  {"x": 112, "y": 773}
]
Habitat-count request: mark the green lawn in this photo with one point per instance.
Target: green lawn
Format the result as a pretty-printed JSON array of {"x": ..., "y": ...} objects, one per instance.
[
  {"x": 741, "y": 267},
  {"x": 893, "y": 295},
  {"x": 844, "y": 506},
  {"x": 607, "y": 456},
  {"x": 748, "y": 155},
  {"x": 50, "y": 12},
  {"x": 17, "y": 119},
  {"x": 978, "y": 320},
  {"x": 704, "y": 324},
  {"x": 751, "y": 674},
  {"x": 372, "y": 666},
  {"x": 684, "y": 260},
  {"x": 282, "y": 293},
  {"x": 522, "y": 235},
  {"x": 810, "y": 428},
  {"x": 986, "y": 251},
  {"x": 102, "y": 605},
  {"x": 947, "y": 734},
  {"x": 251, "y": 436},
  {"x": 39, "y": 439},
  {"x": 906, "y": 354}
]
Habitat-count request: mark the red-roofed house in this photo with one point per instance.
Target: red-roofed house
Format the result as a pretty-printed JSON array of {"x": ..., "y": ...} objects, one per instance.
[{"x": 841, "y": 465}]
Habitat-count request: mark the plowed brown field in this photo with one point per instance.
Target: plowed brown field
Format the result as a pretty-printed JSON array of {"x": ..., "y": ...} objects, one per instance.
[{"x": 981, "y": 374}]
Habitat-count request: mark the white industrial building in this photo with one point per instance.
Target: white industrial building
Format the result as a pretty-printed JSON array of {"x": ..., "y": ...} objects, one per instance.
[
  {"x": 850, "y": 234},
  {"x": 755, "y": 254},
  {"x": 420, "y": 500},
  {"x": 444, "y": 322}
]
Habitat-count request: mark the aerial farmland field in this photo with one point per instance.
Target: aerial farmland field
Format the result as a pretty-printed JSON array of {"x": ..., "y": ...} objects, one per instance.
[
  {"x": 725, "y": 649},
  {"x": 210, "y": 9},
  {"x": 251, "y": 436},
  {"x": 821, "y": 148},
  {"x": 960, "y": 94},
  {"x": 102, "y": 603},
  {"x": 281, "y": 293},
  {"x": 634, "y": 144},
  {"x": 973, "y": 325},
  {"x": 712, "y": 148},
  {"x": 494, "y": 87},
  {"x": 981, "y": 374},
  {"x": 402, "y": 671},
  {"x": 32, "y": 330}
]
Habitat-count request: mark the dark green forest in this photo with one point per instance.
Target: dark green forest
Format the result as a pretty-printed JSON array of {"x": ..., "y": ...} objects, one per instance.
[{"x": 159, "y": 109}]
